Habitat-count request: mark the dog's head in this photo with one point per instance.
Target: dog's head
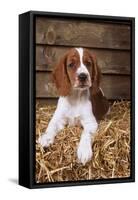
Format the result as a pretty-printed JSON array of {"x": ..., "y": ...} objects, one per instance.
[{"x": 77, "y": 69}]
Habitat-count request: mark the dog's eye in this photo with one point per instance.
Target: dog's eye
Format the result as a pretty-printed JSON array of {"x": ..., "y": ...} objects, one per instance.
[
  {"x": 71, "y": 65},
  {"x": 88, "y": 63}
]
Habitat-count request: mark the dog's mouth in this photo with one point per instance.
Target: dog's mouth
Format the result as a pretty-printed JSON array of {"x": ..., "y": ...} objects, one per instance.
[{"x": 82, "y": 86}]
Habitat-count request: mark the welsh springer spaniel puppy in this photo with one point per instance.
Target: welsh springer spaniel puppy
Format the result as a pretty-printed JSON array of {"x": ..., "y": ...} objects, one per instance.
[{"x": 77, "y": 79}]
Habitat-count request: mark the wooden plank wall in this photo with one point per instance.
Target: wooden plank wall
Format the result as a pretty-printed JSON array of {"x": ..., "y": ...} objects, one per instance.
[{"x": 110, "y": 43}]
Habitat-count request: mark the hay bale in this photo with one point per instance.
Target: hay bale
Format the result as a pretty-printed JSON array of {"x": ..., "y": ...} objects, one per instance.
[{"x": 111, "y": 148}]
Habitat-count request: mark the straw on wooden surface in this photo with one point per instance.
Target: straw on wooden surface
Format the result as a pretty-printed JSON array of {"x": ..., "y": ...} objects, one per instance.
[{"x": 111, "y": 148}]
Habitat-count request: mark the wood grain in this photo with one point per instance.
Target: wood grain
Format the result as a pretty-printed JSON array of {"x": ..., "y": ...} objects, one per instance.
[
  {"x": 83, "y": 33},
  {"x": 114, "y": 86},
  {"x": 110, "y": 61}
]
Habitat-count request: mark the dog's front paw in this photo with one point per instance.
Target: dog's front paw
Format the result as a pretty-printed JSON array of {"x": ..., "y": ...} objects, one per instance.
[
  {"x": 84, "y": 152},
  {"x": 46, "y": 139}
]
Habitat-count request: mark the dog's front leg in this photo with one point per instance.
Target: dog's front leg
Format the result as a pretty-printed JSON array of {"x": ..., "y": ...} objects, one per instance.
[
  {"x": 84, "y": 151},
  {"x": 56, "y": 124}
]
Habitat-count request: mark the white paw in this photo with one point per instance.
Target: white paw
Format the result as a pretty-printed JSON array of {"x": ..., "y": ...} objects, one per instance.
[
  {"x": 84, "y": 151},
  {"x": 46, "y": 139}
]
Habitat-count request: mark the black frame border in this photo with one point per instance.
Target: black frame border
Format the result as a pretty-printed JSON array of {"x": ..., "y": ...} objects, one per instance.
[{"x": 27, "y": 83}]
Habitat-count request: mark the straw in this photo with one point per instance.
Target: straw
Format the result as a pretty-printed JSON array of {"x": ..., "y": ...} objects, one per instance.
[{"x": 111, "y": 148}]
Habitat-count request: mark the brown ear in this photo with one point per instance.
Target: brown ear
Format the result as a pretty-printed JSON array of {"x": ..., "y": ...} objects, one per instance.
[
  {"x": 100, "y": 104},
  {"x": 60, "y": 78}
]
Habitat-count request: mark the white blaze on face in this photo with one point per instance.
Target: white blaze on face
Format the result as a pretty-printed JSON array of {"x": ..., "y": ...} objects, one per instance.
[{"x": 82, "y": 68}]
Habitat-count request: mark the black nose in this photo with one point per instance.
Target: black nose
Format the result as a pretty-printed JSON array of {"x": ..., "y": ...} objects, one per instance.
[{"x": 82, "y": 76}]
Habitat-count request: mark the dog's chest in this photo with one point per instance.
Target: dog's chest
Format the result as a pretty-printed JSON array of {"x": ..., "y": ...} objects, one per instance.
[
  {"x": 73, "y": 115},
  {"x": 74, "y": 109}
]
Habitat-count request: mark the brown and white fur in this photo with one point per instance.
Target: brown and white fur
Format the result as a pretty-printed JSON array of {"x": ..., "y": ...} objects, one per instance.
[{"x": 77, "y": 78}]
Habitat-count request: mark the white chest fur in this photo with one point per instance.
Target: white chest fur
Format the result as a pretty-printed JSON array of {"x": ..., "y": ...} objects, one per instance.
[
  {"x": 75, "y": 107},
  {"x": 73, "y": 114}
]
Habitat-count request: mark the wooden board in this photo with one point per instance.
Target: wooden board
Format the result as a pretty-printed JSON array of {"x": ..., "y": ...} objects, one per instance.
[
  {"x": 82, "y": 33},
  {"x": 110, "y": 61},
  {"x": 114, "y": 86}
]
